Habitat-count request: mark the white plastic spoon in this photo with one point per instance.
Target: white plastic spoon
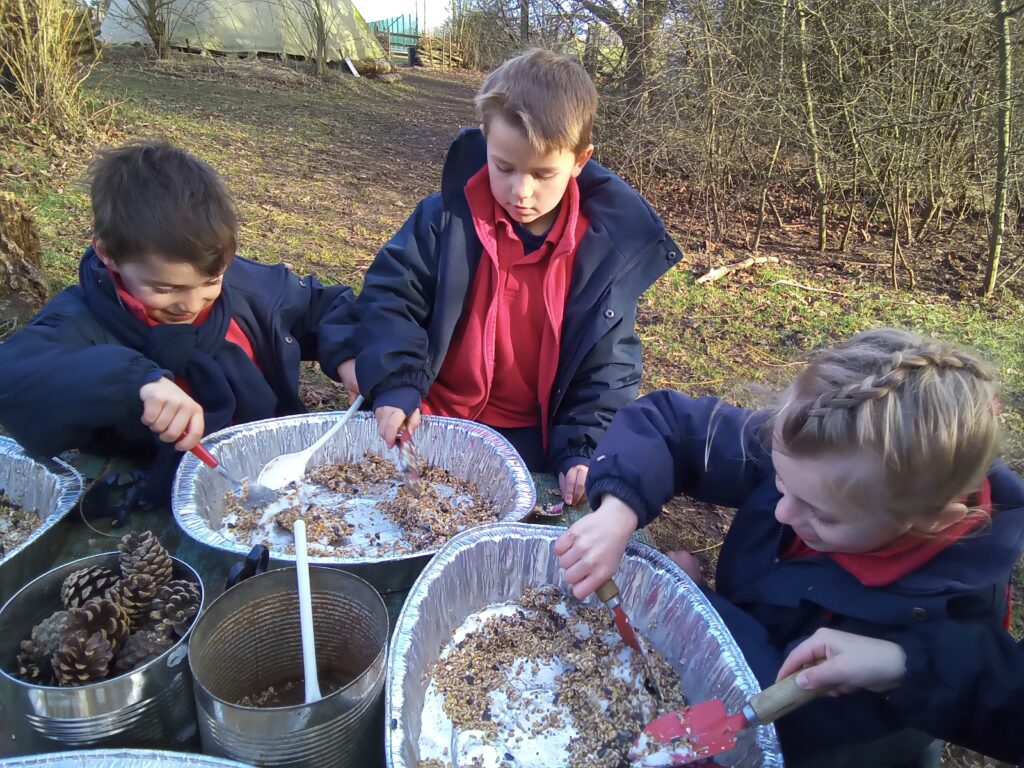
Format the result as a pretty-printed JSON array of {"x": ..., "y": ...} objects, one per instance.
[
  {"x": 309, "y": 672},
  {"x": 290, "y": 467}
]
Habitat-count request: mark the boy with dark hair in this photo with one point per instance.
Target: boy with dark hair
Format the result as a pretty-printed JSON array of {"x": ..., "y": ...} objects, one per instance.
[
  {"x": 510, "y": 297},
  {"x": 168, "y": 336}
]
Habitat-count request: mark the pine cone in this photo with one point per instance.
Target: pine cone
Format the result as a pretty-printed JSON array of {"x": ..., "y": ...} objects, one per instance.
[
  {"x": 175, "y": 606},
  {"x": 140, "y": 647},
  {"x": 46, "y": 636},
  {"x": 85, "y": 584},
  {"x": 143, "y": 553},
  {"x": 31, "y": 667},
  {"x": 104, "y": 616},
  {"x": 134, "y": 594},
  {"x": 82, "y": 658}
]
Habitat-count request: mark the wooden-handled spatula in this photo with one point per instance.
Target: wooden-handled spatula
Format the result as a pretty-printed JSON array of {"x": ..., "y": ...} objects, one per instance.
[{"x": 695, "y": 733}]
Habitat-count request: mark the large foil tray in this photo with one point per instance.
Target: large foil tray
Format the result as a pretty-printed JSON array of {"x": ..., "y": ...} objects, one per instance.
[
  {"x": 119, "y": 758},
  {"x": 49, "y": 486},
  {"x": 498, "y": 562},
  {"x": 469, "y": 450}
]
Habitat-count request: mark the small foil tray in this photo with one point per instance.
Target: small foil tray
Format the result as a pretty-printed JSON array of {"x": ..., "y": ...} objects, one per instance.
[
  {"x": 498, "y": 562},
  {"x": 49, "y": 486},
  {"x": 470, "y": 451},
  {"x": 119, "y": 758}
]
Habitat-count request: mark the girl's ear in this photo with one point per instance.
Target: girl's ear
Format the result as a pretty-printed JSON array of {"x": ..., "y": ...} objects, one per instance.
[
  {"x": 951, "y": 514},
  {"x": 101, "y": 251}
]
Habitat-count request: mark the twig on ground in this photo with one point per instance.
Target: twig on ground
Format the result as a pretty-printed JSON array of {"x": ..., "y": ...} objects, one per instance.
[
  {"x": 717, "y": 272},
  {"x": 803, "y": 287},
  {"x": 706, "y": 549},
  {"x": 772, "y": 362}
]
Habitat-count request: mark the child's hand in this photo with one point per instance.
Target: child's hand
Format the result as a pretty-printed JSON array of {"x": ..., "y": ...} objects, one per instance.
[
  {"x": 573, "y": 483},
  {"x": 590, "y": 551},
  {"x": 390, "y": 420},
  {"x": 171, "y": 413},
  {"x": 347, "y": 374},
  {"x": 850, "y": 662},
  {"x": 689, "y": 564}
]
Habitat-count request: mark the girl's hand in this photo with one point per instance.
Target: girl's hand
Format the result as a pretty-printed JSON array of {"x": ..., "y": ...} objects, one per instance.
[
  {"x": 590, "y": 551},
  {"x": 573, "y": 483},
  {"x": 172, "y": 414},
  {"x": 850, "y": 662}
]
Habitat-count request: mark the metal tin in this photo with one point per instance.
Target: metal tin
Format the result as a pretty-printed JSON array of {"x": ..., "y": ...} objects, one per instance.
[
  {"x": 250, "y": 639},
  {"x": 119, "y": 758},
  {"x": 496, "y": 563},
  {"x": 151, "y": 706},
  {"x": 49, "y": 486},
  {"x": 471, "y": 451}
]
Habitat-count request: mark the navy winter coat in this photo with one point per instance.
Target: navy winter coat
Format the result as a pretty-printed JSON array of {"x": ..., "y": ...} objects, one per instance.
[
  {"x": 415, "y": 291},
  {"x": 67, "y": 382},
  {"x": 964, "y": 684},
  {"x": 667, "y": 444}
]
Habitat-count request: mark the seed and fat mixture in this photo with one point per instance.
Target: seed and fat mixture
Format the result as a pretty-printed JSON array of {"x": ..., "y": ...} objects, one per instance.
[
  {"x": 361, "y": 509},
  {"x": 16, "y": 524},
  {"x": 538, "y": 682}
]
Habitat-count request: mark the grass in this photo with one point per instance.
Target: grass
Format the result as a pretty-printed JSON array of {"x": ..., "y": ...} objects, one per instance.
[{"x": 324, "y": 173}]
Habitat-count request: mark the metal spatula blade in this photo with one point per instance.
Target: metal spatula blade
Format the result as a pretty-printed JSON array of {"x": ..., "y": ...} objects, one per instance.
[
  {"x": 408, "y": 461},
  {"x": 694, "y": 733},
  {"x": 250, "y": 495}
]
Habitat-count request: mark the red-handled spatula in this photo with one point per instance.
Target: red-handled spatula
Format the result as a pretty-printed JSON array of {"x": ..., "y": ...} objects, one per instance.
[
  {"x": 608, "y": 593},
  {"x": 251, "y": 497},
  {"x": 687, "y": 735}
]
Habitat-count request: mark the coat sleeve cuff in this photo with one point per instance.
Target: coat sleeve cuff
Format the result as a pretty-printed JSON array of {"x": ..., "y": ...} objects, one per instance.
[
  {"x": 407, "y": 399},
  {"x": 633, "y": 499},
  {"x": 146, "y": 372}
]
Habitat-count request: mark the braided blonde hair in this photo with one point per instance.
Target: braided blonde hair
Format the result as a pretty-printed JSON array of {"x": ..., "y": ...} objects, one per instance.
[{"x": 926, "y": 408}]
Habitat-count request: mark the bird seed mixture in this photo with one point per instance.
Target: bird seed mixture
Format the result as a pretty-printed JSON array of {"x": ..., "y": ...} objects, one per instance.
[
  {"x": 16, "y": 524},
  {"x": 538, "y": 682},
  {"x": 361, "y": 509}
]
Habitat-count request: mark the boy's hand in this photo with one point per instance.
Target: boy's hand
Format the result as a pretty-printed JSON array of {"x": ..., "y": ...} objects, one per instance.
[
  {"x": 590, "y": 551},
  {"x": 390, "y": 420},
  {"x": 171, "y": 413},
  {"x": 347, "y": 374},
  {"x": 573, "y": 483},
  {"x": 850, "y": 662}
]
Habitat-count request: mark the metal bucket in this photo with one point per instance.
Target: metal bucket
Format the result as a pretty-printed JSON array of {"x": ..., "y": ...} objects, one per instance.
[
  {"x": 249, "y": 639},
  {"x": 151, "y": 706},
  {"x": 48, "y": 486}
]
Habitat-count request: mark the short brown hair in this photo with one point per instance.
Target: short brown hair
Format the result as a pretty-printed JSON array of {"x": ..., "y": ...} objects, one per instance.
[
  {"x": 151, "y": 198},
  {"x": 550, "y": 97}
]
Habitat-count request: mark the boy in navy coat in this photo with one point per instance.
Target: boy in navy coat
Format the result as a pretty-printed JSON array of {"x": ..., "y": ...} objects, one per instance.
[
  {"x": 168, "y": 335},
  {"x": 509, "y": 298}
]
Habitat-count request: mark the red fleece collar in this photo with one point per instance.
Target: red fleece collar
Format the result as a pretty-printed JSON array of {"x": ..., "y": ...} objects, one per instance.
[{"x": 908, "y": 553}]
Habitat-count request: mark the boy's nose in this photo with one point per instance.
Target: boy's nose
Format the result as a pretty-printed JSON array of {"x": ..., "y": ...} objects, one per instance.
[
  {"x": 523, "y": 190},
  {"x": 191, "y": 303}
]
